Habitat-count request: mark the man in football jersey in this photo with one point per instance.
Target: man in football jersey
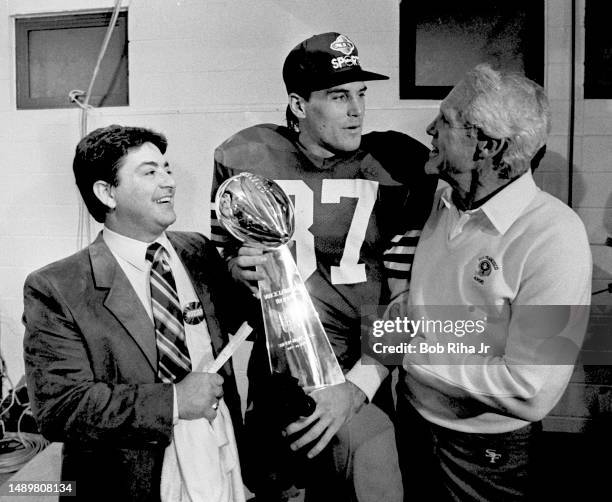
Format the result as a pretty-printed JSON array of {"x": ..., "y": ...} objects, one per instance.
[{"x": 351, "y": 193}]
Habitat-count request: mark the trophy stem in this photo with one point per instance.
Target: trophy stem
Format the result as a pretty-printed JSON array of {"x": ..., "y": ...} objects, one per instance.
[{"x": 295, "y": 337}]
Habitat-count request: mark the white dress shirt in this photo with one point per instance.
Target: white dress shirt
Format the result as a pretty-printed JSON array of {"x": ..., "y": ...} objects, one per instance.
[{"x": 201, "y": 463}]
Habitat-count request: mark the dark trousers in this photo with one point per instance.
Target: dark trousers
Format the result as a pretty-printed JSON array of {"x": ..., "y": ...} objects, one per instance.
[
  {"x": 360, "y": 464},
  {"x": 364, "y": 462},
  {"x": 446, "y": 465}
]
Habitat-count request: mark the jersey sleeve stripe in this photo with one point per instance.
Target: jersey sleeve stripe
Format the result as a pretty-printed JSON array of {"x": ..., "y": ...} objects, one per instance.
[
  {"x": 399, "y": 258},
  {"x": 397, "y": 266},
  {"x": 408, "y": 234},
  {"x": 406, "y": 241},
  {"x": 398, "y": 274},
  {"x": 216, "y": 228},
  {"x": 400, "y": 250}
]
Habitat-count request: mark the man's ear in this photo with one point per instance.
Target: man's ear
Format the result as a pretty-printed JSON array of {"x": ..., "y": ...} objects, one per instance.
[
  {"x": 296, "y": 104},
  {"x": 105, "y": 192},
  {"x": 488, "y": 148}
]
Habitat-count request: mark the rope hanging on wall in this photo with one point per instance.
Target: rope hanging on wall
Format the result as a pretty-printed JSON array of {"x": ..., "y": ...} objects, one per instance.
[
  {"x": 16, "y": 448},
  {"x": 81, "y": 99}
]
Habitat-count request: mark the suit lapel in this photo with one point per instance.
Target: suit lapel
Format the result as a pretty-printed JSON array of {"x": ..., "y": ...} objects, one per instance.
[
  {"x": 122, "y": 300},
  {"x": 194, "y": 262}
]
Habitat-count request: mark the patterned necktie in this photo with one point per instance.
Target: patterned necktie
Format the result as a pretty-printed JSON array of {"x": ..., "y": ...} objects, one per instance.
[{"x": 172, "y": 354}]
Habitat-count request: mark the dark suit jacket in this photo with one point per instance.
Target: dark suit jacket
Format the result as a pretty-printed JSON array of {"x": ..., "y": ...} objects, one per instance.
[{"x": 91, "y": 365}]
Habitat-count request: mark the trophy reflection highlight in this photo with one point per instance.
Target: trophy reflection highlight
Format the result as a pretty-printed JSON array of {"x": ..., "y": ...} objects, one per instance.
[{"x": 256, "y": 211}]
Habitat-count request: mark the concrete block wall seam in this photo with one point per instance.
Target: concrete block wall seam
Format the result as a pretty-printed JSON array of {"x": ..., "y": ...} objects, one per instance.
[
  {"x": 558, "y": 14},
  {"x": 557, "y": 86},
  {"x": 596, "y": 154},
  {"x": 602, "y": 262},
  {"x": 598, "y": 222},
  {"x": 593, "y": 190},
  {"x": 603, "y": 299}
]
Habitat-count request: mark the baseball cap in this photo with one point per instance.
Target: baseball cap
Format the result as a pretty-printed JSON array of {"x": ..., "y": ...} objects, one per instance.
[{"x": 324, "y": 61}]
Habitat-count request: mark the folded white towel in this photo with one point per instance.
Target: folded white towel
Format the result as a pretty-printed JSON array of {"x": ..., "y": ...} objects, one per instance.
[{"x": 201, "y": 463}]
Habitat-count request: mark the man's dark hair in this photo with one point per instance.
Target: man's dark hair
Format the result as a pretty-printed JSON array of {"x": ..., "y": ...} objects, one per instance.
[
  {"x": 98, "y": 158},
  {"x": 293, "y": 122}
]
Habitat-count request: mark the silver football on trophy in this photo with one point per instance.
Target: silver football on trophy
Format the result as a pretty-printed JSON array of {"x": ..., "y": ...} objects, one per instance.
[{"x": 255, "y": 210}]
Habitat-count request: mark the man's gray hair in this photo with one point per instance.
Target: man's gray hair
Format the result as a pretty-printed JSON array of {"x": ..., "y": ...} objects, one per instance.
[{"x": 508, "y": 105}]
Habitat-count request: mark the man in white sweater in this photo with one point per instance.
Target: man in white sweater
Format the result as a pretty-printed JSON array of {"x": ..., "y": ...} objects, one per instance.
[{"x": 511, "y": 262}]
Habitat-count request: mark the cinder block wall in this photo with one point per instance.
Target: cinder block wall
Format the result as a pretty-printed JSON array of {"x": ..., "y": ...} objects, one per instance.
[
  {"x": 201, "y": 70},
  {"x": 588, "y": 398}
]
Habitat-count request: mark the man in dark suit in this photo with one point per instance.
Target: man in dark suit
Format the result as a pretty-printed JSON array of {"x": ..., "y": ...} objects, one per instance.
[{"x": 111, "y": 367}]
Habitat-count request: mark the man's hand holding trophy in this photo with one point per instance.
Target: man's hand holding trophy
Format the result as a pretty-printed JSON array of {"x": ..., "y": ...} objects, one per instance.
[{"x": 257, "y": 212}]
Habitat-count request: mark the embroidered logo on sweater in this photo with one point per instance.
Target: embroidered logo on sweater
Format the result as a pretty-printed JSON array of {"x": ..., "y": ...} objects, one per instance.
[{"x": 486, "y": 265}]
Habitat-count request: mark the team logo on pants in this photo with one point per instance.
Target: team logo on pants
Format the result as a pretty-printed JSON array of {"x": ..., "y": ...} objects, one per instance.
[{"x": 492, "y": 455}]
